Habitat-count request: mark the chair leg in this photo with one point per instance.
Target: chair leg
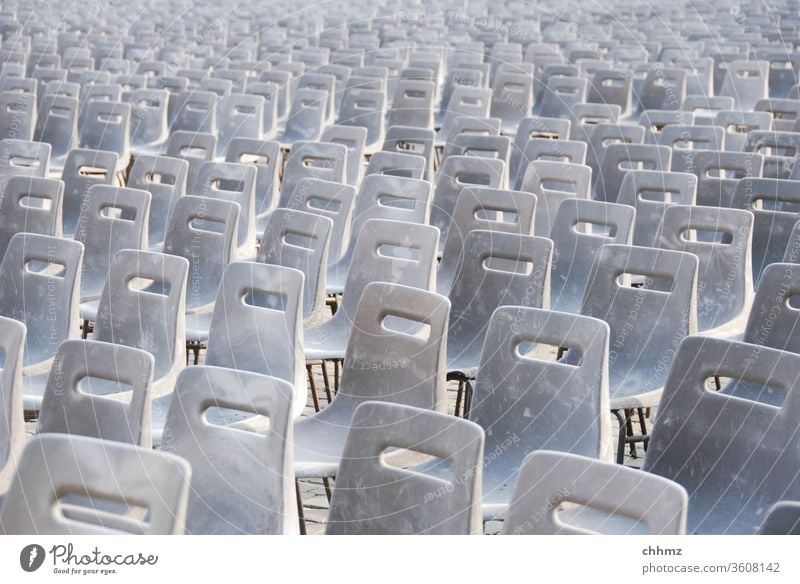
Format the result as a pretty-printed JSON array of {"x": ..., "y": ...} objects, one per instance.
[
  {"x": 301, "y": 518},
  {"x": 327, "y": 484},
  {"x": 467, "y": 397},
  {"x": 327, "y": 383},
  {"x": 620, "y": 436},
  {"x": 314, "y": 396},
  {"x": 85, "y": 329},
  {"x": 459, "y": 397},
  {"x": 336, "y": 374},
  {"x": 629, "y": 430},
  {"x": 643, "y": 424}
]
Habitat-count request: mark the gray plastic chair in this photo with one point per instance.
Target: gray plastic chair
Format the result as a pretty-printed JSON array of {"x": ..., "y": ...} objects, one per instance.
[
  {"x": 410, "y": 140},
  {"x": 56, "y": 468},
  {"x": 17, "y": 115},
  {"x": 12, "y": 423},
  {"x": 386, "y": 323},
  {"x": 84, "y": 169},
  {"x": 243, "y": 482},
  {"x": 527, "y": 399},
  {"x": 655, "y": 121},
  {"x": 725, "y": 277},
  {"x": 497, "y": 269},
  {"x": 381, "y": 197},
  {"x": 706, "y": 107},
  {"x": 412, "y": 104},
  {"x": 21, "y": 158},
  {"x": 238, "y": 116},
  {"x": 236, "y": 183},
  {"x": 580, "y": 229},
  {"x": 354, "y": 138},
  {"x": 546, "y": 149},
  {"x": 639, "y": 360},
  {"x": 559, "y": 493},
  {"x": 257, "y": 324},
  {"x": 372, "y": 497},
  {"x": 456, "y": 173},
  {"x": 738, "y": 123},
  {"x": 553, "y": 183},
  {"x": 112, "y": 219},
  {"x": 610, "y": 86},
  {"x": 620, "y": 158},
  {"x": 532, "y": 128},
  {"x": 165, "y": 179},
  {"x": 193, "y": 111},
  {"x": 271, "y": 94},
  {"x": 57, "y": 125},
  {"x": 99, "y": 390},
  {"x": 30, "y": 205},
  {"x": 142, "y": 306},
  {"x": 719, "y": 174},
  {"x": 194, "y": 148},
  {"x": 364, "y": 108},
  {"x": 700, "y": 441},
  {"x": 149, "y": 129},
  {"x": 512, "y": 99},
  {"x": 322, "y": 161},
  {"x": 651, "y": 192},
  {"x": 779, "y": 149},
  {"x": 385, "y": 251},
  {"x": 560, "y": 95},
  {"x": 46, "y": 269},
  {"x": 783, "y": 519},
  {"x": 267, "y": 158},
  {"x": 397, "y": 164},
  {"x": 747, "y": 82},
  {"x": 605, "y": 135},
  {"x": 300, "y": 240},
  {"x": 664, "y": 88},
  {"x": 107, "y": 127},
  {"x": 202, "y": 230},
  {"x": 307, "y": 117}
]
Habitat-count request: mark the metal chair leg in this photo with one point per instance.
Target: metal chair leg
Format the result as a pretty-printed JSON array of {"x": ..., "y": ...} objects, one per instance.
[
  {"x": 620, "y": 436},
  {"x": 327, "y": 383},
  {"x": 301, "y": 518},
  {"x": 314, "y": 396}
]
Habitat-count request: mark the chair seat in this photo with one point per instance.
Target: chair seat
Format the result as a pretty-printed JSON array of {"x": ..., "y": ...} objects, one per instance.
[
  {"x": 197, "y": 327},
  {"x": 33, "y": 387},
  {"x": 89, "y": 310},
  {"x": 326, "y": 341}
]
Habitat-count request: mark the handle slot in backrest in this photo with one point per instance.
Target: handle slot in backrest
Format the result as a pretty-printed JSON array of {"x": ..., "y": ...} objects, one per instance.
[
  {"x": 265, "y": 299},
  {"x": 45, "y": 267},
  {"x": 144, "y": 285}
]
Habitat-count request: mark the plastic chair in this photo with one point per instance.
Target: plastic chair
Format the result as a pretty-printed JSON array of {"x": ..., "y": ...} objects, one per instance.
[
  {"x": 354, "y": 138},
  {"x": 84, "y": 169},
  {"x": 307, "y": 116},
  {"x": 99, "y": 390},
  {"x": 639, "y": 360},
  {"x": 12, "y": 423},
  {"x": 165, "y": 179},
  {"x": 755, "y": 442},
  {"x": 267, "y": 158},
  {"x": 238, "y": 116},
  {"x": 512, "y": 99},
  {"x": 580, "y": 229},
  {"x": 385, "y": 251},
  {"x": 194, "y": 148},
  {"x": 746, "y": 82},
  {"x": 381, "y": 197},
  {"x": 17, "y": 115},
  {"x": 322, "y": 161},
  {"x": 664, "y": 88},
  {"x": 142, "y": 306},
  {"x": 372, "y": 497},
  {"x": 604, "y": 136},
  {"x": 193, "y": 111},
  {"x": 30, "y": 205},
  {"x": 553, "y": 183},
  {"x": 236, "y": 183},
  {"x": 719, "y": 174},
  {"x": 620, "y": 158},
  {"x": 57, "y": 125},
  {"x": 229, "y": 495},
  {"x": 410, "y": 140},
  {"x": 396, "y": 164},
  {"x": 783, "y": 519},
  {"x": 737, "y": 124},
  {"x": 56, "y": 469},
  {"x": 543, "y": 149},
  {"x": 412, "y": 104},
  {"x": 271, "y": 94},
  {"x": 387, "y": 322},
  {"x": 560, "y": 95},
  {"x": 364, "y": 108},
  {"x": 497, "y": 269},
  {"x": 21, "y": 158},
  {"x": 456, "y": 173},
  {"x": 300, "y": 240},
  {"x": 651, "y": 192},
  {"x": 559, "y": 493},
  {"x": 148, "y": 120},
  {"x": 725, "y": 284},
  {"x": 487, "y": 210},
  {"x": 532, "y": 128},
  {"x": 609, "y": 86},
  {"x": 107, "y": 127}
]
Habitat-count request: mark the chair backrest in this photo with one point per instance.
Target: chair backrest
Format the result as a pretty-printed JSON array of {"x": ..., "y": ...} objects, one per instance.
[
  {"x": 372, "y": 497},
  {"x": 234, "y": 182},
  {"x": 775, "y": 316},
  {"x": 456, "y": 173},
  {"x": 651, "y": 192},
  {"x": 611, "y": 86},
  {"x": 412, "y": 104},
  {"x": 397, "y": 164},
  {"x": 364, "y": 108},
  {"x": 639, "y": 360},
  {"x": 655, "y": 121},
  {"x": 721, "y": 239},
  {"x": 165, "y": 179},
  {"x": 496, "y": 269},
  {"x": 719, "y": 175},
  {"x": 737, "y": 124},
  {"x": 621, "y": 158},
  {"x": 100, "y": 390},
  {"x": 512, "y": 99},
  {"x": 193, "y": 111},
  {"x": 40, "y": 287},
  {"x": 408, "y": 323},
  {"x": 411, "y": 140},
  {"x": 143, "y": 306},
  {"x": 559, "y": 493},
  {"x": 267, "y": 158},
  {"x": 148, "y": 117},
  {"x": 106, "y": 127},
  {"x": 193, "y": 147},
  {"x": 580, "y": 229},
  {"x": 524, "y": 391},
  {"x": 307, "y": 117},
  {"x": 243, "y": 482},
  {"x": 486, "y": 209},
  {"x": 12, "y": 422},
  {"x": 746, "y": 82},
  {"x": 300, "y": 240},
  {"x": 84, "y": 169},
  {"x": 779, "y": 149},
  {"x": 55, "y": 468},
  {"x": 112, "y": 218},
  {"x": 728, "y": 435},
  {"x": 354, "y": 138},
  {"x": 57, "y": 124},
  {"x": 271, "y": 94},
  {"x": 203, "y": 230},
  {"x": 17, "y": 115},
  {"x": 664, "y": 88},
  {"x": 30, "y": 205},
  {"x": 21, "y": 158},
  {"x": 546, "y": 149},
  {"x": 553, "y": 183},
  {"x": 257, "y": 324},
  {"x": 783, "y": 519},
  {"x": 560, "y": 94},
  {"x": 532, "y": 128},
  {"x": 323, "y": 161},
  {"x": 238, "y": 116},
  {"x": 685, "y": 140}
]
